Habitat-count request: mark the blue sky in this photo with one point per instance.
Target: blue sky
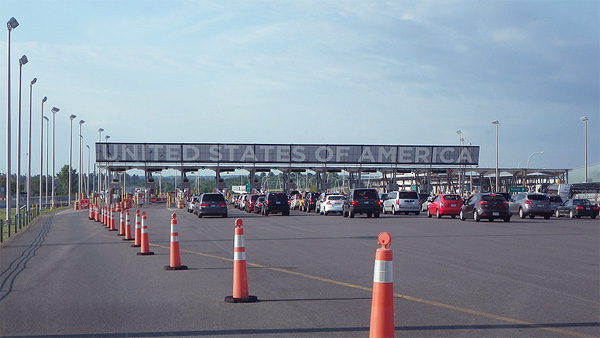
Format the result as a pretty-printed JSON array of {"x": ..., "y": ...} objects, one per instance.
[{"x": 337, "y": 72}]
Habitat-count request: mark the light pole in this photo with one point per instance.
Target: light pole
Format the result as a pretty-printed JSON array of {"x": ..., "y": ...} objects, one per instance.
[
  {"x": 530, "y": 156},
  {"x": 71, "y": 154},
  {"x": 584, "y": 119},
  {"x": 54, "y": 111},
  {"x": 99, "y": 177},
  {"x": 23, "y": 60},
  {"x": 28, "y": 182},
  {"x": 87, "y": 190},
  {"x": 41, "y": 153},
  {"x": 80, "y": 167},
  {"x": 107, "y": 178},
  {"x": 496, "y": 123},
  {"x": 11, "y": 24},
  {"x": 47, "y": 153},
  {"x": 460, "y": 178}
]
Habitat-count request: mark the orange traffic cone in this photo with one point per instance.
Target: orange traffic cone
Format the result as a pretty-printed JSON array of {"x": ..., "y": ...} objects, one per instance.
[
  {"x": 111, "y": 218},
  {"x": 138, "y": 231},
  {"x": 144, "y": 246},
  {"x": 127, "y": 227},
  {"x": 175, "y": 263},
  {"x": 121, "y": 222},
  {"x": 240, "y": 277},
  {"x": 382, "y": 303}
]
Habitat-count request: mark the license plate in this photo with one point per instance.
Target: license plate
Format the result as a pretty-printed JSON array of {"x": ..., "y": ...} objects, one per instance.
[
  {"x": 453, "y": 205},
  {"x": 495, "y": 214},
  {"x": 367, "y": 202},
  {"x": 540, "y": 205},
  {"x": 277, "y": 202}
]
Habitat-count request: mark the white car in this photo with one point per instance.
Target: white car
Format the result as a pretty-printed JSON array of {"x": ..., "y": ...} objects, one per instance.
[
  {"x": 331, "y": 203},
  {"x": 191, "y": 203}
]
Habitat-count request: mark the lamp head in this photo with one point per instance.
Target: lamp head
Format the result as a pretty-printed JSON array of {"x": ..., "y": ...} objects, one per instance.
[
  {"x": 106, "y": 137},
  {"x": 495, "y": 122},
  {"x": 100, "y": 130},
  {"x": 23, "y": 60},
  {"x": 44, "y": 99},
  {"x": 81, "y": 122},
  {"x": 72, "y": 116},
  {"x": 34, "y": 80},
  {"x": 583, "y": 118},
  {"x": 55, "y": 110},
  {"x": 46, "y": 118},
  {"x": 12, "y": 23}
]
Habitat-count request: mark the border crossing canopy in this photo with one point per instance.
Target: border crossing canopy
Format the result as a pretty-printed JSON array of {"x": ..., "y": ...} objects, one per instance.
[{"x": 333, "y": 154}]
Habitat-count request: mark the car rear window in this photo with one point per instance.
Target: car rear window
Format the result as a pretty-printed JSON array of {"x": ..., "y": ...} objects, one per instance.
[
  {"x": 213, "y": 198},
  {"x": 366, "y": 194},
  {"x": 581, "y": 202},
  {"x": 555, "y": 198},
  {"x": 277, "y": 197},
  {"x": 494, "y": 198},
  {"x": 335, "y": 197},
  {"x": 408, "y": 195},
  {"x": 537, "y": 197},
  {"x": 452, "y": 197}
]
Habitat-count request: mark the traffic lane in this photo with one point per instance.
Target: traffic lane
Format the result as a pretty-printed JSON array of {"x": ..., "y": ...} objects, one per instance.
[{"x": 480, "y": 282}]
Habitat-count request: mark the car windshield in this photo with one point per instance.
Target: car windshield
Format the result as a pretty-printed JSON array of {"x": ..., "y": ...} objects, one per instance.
[
  {"x": 537, "y": 197},
  {"x": 335, "y": 197},
  {"x": 278, "y": 197},
  {"x": 408, "y": 195}
]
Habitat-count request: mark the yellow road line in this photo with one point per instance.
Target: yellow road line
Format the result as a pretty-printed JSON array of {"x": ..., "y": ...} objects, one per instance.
[{"x": 398, "y": 295}]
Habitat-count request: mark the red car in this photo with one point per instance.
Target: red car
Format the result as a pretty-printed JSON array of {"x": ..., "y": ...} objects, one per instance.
[{"x": 445, "y": 204}]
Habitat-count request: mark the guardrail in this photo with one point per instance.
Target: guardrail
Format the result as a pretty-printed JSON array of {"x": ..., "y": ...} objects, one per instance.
[{"x": 21, "y": 219}]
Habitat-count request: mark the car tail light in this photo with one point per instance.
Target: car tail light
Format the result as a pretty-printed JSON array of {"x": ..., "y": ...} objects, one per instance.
[
  {"x": 595, "y": 208},
  {"x": 378, "y": 202},
  {"x": 397, "y": 202},
  {"x": 483, "y": 203},
  {"x": 354, "y": 202},
  {"x": 223, "y": 204},
  {"x": 328, "y": 203},
  {"x": 505, "y": 203},
  {"x": 579, "y": 208},
  {"x": 203, "y": 204},
  {"x": 528, "y": 202}
]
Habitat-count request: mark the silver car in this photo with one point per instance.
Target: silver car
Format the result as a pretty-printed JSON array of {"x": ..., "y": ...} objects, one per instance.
[
  {"x": 530, "y": 204},
  {"x": 402, "y": 201}
]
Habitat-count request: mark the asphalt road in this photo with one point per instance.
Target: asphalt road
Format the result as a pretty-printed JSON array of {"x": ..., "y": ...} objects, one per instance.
[{"x": 67, "y": 276}]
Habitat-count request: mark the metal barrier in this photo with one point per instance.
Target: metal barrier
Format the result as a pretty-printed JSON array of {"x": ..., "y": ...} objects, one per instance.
[{"x": 20, "y": 220}]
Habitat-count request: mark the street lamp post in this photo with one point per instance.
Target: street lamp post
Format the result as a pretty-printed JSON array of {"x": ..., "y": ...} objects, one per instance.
[
  {"x": 584, "y": 119},
  {"x": 47, "y": 153},
  {"x": 54, "y": 111},
  {"x": 41, "y": 152},
  {"x": 11, "y": 24},
  {"x": 99, "y": 177},
  {"x": 496, "y": 123},
  {"x": 530, "y": 156},
  {"x": 71, "y": 154},
  {"x": 87, "y": 189},
  {"x": 28, "y": 182},
  {"x": 107, "y": 178},
  {"x": 80, "y": 167},
  {"x": 22, "y": 61}
]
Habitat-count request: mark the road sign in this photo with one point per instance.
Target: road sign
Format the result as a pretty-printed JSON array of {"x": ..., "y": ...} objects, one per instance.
[{"x": 517, "y": 189}]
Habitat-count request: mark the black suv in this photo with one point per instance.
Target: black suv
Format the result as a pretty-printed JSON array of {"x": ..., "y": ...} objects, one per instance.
[
  {"x": 362, "y": 201},
  {"x": 276, "y": 202},
  {"x": 310, "y": 201},
  {"x": 490, "y": 206}
]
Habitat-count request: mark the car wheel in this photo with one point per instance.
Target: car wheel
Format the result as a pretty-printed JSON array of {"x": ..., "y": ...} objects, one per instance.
[
  {"x": 376, "y": 215},
  {"x": 556, "y": 213},
  {"x": 476, "y": 217},
  {"x": 394, "y": 211},
  {"x": 417, "y": 213},
  {"x": 406, "y": 213},
  {"x": 199, "y": 215},
  {"x": 547, "y": 216},
  {"x": 506, "y": 219},
  {"x": 351, "y": 214},
  {"x": 571, "y": 215},
  {"x": 428, "y": 213},
  {"x": 344, "y": 213},
  {"x": 521, "y": 213},
  {"x": 437, "y": 213},
  {"x": 369, "y": 215},
  {"x": 266, "y": 213},
  {"x": 462, "y": 216},
  {"x": 453, "y": 216},
  {"x": 593, "y": 216},
  {"x": 490, "y": 219},
  {"x": 532, "y": 216},
  {"x": 224, "y": 215}
]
